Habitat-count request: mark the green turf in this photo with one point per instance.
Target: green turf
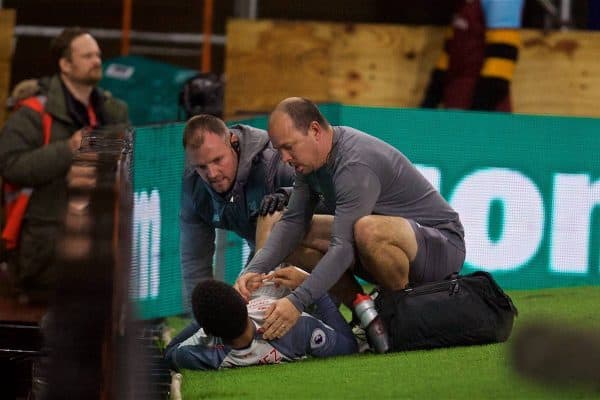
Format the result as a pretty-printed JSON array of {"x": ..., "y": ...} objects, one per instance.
[{"x": 454, "y": 373}]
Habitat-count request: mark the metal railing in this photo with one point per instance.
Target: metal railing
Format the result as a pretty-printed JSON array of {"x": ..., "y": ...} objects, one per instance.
[{"x": 556, "y": 17}]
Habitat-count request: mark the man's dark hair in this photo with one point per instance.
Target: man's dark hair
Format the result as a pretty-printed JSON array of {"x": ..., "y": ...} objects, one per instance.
[
  {"x": 302, "y": 112},
  {"x": 61, "y": 45},
  {"x": 219, "y": 309},
  {"x": 203, "y": 123}
]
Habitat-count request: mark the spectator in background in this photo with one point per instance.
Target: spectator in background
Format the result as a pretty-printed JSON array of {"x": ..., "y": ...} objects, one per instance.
[
  {"x": 233, "y": 178},
  {"x": 476, "y": 66},
  {"x": 37, "y": 145},
  {"x": 229, "y": 333}
]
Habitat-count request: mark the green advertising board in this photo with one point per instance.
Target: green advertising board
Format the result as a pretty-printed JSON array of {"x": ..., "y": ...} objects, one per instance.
[{"x": 527, "y": 189}]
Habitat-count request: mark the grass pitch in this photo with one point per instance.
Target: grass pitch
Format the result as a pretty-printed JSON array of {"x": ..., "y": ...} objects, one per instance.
[{"x": 453, "y": 373}]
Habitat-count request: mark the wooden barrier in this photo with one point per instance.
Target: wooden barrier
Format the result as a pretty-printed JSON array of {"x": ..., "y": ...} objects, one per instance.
[
  {"x": 7, "y": 27},
  {"x": 383, "y": 65},
  {"x": 267, "y": 60},
  {"x": 389, "y": 65},
  {"x": 558, "y": 73}
]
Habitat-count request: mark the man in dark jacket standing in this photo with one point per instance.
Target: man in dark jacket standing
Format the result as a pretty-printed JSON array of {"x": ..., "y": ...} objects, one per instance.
[
  {"x": 233, "y": 178},
  {"x": 74, "y": 105}
]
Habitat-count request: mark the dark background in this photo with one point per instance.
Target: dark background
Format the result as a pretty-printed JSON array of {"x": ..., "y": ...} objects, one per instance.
[{"x": 185, "y": 16}]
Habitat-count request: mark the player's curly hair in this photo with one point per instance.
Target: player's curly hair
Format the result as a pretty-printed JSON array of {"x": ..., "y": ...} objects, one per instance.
[{"x": 219, "y": 309}]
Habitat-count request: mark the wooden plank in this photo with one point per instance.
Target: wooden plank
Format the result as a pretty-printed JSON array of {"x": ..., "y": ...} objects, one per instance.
[
  {"x": 7, "y": 28},
  {"x": 4, "y": 88},
  {"x": 12, "y": 310},
  {"x": 382, "y": 65},
  {"x": 558, "y": 74},
  {"x": 267, "y": 61},
  {"x": 389, "y": 65}
]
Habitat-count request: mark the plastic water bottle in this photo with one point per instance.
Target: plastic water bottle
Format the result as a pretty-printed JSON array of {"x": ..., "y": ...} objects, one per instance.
[{"x": 370, "y": 321}]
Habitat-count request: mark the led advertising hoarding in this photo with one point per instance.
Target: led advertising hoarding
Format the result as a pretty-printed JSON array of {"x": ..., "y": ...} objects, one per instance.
[{"x": 527, "y": 189}]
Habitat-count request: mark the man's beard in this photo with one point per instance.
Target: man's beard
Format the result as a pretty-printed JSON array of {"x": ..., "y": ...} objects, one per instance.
[
  {"x": 91, "y": 79},
  {"x": 92, "y": 82}
]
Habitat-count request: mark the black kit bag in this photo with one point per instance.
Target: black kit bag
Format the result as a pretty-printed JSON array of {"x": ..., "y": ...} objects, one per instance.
[{"x": 459, "y": 311}]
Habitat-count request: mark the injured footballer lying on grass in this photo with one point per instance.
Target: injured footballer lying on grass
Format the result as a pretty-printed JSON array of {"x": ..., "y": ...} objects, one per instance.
[{"x": 227, "y": 332}]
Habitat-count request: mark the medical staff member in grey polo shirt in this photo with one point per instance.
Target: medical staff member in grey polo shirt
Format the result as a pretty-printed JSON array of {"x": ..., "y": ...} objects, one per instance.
[{"x": 390, "y": 225}]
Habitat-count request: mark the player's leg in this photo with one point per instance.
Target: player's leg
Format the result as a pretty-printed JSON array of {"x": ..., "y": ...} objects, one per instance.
[
  {"x": 264, "y": 226},
  {"x": 315, "y": 243},
  {"x": 312, "y": 248},
  {"x": 396, "y": 251},
  {"x": 386, "y": 246}
]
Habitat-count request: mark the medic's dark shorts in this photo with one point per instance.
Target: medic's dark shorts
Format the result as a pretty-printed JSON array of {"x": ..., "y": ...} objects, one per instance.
[{"x": 441, "y": 252}]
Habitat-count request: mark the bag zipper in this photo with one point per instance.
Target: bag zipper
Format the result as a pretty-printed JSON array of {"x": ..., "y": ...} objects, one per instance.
[{"x": 451, "y": 286}]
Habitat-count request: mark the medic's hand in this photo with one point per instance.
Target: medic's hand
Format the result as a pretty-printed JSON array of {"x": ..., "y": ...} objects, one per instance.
[
  {"x": 273, "y": 202},
  {"x": 280, "y": 318},
  {"x": 291, "y": 277},
  {"x": 247, "y": 283}
]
